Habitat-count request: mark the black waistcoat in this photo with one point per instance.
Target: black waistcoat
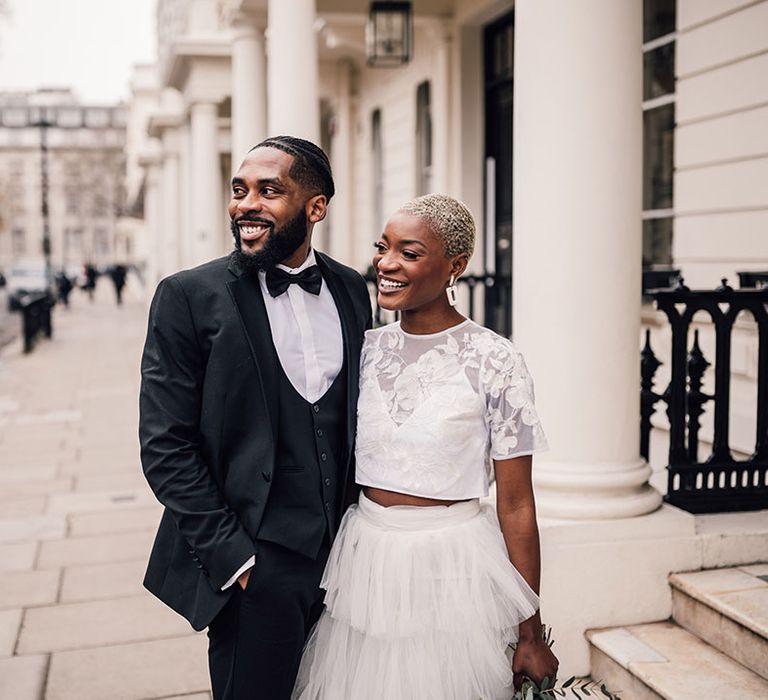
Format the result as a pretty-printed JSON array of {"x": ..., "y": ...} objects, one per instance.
[{"x": 304, "y": 498}]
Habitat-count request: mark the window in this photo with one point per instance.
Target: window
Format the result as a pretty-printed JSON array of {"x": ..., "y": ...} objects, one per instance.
[
  {"x": 658, "y": 130},
  {"x": 73, "y": 242},
  {"x": 100, "y": 243},
  {"x": 18, "y": 242},
  {"x": 100, "y": 208},
  {"x": 423, "y": 139},
  {"x": 377, "y": 152},
  {"x": 16, "y": 168},
  {"x": 72, "y": 201}
]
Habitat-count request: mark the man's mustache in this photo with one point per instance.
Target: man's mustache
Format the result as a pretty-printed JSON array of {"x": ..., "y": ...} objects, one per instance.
[{"x": 253, "y": 219}]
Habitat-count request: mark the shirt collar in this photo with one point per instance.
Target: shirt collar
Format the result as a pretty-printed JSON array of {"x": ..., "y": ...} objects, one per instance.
[{"x": 307, "y": 263}]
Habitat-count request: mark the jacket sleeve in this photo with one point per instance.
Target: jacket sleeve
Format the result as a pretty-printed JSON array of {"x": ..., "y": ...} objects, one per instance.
[{"x": 172, "y": 373}]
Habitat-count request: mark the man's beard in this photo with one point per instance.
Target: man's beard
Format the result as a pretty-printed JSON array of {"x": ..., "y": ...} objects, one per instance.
[{"x": 281, "y": 244}]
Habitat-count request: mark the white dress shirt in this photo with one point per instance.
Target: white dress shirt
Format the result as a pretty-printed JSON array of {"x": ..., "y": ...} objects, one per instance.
[{"x": 306, "y": 332}]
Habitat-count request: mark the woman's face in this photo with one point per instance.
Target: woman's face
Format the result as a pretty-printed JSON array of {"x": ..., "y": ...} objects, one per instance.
[{"x": 411, "y": 265}]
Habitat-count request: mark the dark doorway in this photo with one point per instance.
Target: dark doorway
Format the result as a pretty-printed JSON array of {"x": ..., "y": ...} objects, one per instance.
[{"x": 499, "y": 63}]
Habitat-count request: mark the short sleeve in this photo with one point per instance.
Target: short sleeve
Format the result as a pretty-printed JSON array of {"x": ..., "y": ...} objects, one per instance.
[{"x": 513, "y": 423}]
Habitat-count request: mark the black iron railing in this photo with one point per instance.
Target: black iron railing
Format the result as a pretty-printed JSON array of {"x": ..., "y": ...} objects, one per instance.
[
  {"x": 719, "y": 483},
  {"x": 485, "y": 298}
]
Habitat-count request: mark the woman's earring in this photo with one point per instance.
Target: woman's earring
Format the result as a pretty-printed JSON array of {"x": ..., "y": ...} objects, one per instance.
[{"x": 451, "y": 291}]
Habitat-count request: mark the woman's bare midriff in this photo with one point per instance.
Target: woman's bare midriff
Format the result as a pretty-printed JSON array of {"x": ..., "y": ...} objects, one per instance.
[{"x": 393, "y": 498}]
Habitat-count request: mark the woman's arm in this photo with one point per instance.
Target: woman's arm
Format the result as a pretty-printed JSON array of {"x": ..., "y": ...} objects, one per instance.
[{"x": 517, "y": 516}]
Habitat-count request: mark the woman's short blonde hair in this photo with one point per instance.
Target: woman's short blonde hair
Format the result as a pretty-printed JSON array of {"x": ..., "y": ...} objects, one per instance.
[{"x": 449, "y": 219}]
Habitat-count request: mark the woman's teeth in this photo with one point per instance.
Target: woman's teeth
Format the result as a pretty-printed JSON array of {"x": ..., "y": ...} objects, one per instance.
[{"x": 391, "y": 284}]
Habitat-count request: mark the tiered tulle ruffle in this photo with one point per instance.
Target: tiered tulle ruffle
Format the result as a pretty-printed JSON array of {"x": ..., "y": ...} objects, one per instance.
[{"x": 421, "y": 604}]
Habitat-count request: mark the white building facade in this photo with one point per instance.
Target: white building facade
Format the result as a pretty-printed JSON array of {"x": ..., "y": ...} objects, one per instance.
[{"x": 602, "y": 180}]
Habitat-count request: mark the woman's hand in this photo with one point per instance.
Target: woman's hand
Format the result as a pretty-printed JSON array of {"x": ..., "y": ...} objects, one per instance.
[{"x": 533, "y": 659}]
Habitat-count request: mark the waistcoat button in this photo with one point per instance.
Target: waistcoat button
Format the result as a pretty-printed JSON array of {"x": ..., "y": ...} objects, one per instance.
[
  {"x": 319, "y": 432},
  {"x": 323, "y": 456},
  {"x": 316, "y": 408},
  {"x": 327, "y": 481}
]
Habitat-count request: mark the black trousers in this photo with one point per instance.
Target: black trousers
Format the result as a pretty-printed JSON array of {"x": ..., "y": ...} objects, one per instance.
[{"x": 255, "y": 642}]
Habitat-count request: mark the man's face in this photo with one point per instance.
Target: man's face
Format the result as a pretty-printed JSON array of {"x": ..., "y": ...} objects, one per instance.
[{"x": 268, "y": 209}]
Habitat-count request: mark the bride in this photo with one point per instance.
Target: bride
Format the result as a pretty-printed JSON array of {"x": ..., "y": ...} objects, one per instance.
[{"x": 425, "y": 586}]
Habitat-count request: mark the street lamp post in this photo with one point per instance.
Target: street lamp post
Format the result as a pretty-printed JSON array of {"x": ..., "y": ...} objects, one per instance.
[{"x": 44, "y": 124}]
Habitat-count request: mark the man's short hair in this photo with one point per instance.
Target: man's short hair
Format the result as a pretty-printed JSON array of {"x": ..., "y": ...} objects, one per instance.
[
  {"x": 311, "y": 167},
  {"x": 450, "y": 220}
]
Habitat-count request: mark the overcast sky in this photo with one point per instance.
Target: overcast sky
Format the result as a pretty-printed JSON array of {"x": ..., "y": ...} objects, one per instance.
[{"x": 89, "y": 45}]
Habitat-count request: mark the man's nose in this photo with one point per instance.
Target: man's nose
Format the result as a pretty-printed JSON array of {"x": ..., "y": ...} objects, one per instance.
[{"x": 251, "y": 202}]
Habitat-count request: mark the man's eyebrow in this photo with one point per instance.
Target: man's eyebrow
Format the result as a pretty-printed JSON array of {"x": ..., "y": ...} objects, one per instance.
[{"x": 265, "y": 181}]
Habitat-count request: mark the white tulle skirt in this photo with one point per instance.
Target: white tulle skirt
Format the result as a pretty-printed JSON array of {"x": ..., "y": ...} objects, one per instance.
[{"x": 421, "y": 604}]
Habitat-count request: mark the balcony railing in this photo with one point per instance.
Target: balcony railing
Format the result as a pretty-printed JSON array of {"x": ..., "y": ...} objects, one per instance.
[{"x": 720, "y": 482}]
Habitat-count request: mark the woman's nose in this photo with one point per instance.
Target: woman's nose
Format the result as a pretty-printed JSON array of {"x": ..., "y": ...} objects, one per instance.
[{"x": 386, "y": 262}]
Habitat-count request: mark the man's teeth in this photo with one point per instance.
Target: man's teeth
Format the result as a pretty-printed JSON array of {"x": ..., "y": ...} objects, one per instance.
[
  {"x": 251, "y": 230},
  {"x": 391, "y": 284}
]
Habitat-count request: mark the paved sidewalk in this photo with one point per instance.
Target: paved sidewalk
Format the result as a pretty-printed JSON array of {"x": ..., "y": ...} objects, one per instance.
[{"x": 77, "y": 520}]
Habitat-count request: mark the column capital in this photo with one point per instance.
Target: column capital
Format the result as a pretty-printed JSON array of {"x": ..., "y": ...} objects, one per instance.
[
  {"x": 247, "y": 24},
  {"x": 151, "y": 154}
]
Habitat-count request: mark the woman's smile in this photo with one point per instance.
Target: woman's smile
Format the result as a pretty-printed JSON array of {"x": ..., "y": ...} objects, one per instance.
[{"x": 388, "y": 285}]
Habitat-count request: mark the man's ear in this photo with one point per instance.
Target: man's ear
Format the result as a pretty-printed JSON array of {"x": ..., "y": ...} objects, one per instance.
[
  {"x": 316, "y": 208},
  {"x": 459, "y": 264}
]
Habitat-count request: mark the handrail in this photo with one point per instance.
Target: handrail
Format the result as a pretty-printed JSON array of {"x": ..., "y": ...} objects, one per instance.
[{"x": 720, "y": 482}]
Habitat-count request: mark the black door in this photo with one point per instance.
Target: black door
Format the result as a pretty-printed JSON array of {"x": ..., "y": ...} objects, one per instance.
[{"x": 499, "y": 63}]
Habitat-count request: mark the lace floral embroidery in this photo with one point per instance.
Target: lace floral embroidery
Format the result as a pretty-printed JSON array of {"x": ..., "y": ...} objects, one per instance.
[{"x": 433, "y": 410}]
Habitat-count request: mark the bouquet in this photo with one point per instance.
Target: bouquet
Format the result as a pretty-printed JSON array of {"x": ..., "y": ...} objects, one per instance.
[{"x": 581, "y": 688}]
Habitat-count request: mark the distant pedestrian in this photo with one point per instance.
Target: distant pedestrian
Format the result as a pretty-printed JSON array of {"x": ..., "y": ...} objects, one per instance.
[
  {"x": 91, "y": 274},
  {"x": 64, "y": 286},
  {"x": 118, "y": 274}
]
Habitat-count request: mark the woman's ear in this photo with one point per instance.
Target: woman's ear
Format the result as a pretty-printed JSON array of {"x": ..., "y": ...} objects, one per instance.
[
  {"x": 317, "y": 208},
  {"x": 459, "y": 264}
]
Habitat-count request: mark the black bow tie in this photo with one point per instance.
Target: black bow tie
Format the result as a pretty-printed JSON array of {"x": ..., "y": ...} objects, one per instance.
[{"x": 279, "y": 280}]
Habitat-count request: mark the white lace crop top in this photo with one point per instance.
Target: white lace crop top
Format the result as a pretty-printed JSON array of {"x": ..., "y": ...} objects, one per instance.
[{"x": 435, "y": 409}]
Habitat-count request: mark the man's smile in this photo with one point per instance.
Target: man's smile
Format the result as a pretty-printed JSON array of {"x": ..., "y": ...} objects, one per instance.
[{"x": 251, "y": 231}]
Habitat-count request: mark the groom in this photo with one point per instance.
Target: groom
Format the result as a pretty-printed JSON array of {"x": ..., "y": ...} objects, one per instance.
[{"x": 248, "y": 394}]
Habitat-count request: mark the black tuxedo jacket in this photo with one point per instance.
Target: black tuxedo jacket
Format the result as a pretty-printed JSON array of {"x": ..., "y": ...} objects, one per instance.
[{"x": 207, "y": 423}]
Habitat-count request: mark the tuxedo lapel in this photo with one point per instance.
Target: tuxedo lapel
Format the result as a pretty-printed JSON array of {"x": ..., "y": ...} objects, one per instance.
[
  {"x": 249, "y": 302},
  {"x": 349, "y": 330}
]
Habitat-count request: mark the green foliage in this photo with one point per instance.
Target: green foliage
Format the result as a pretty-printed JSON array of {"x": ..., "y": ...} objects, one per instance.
[{"x": 581, "y": 688}]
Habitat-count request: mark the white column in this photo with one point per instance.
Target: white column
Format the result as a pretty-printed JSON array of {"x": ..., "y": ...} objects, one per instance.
[
  {"x": 185, "y": 196},
  {"x": 341, "y": 237},
  {"x": 205, "y": 226},
  {"x": 153, "y": 219},
  {"x": 249, "y": 87},
  {"x": 577, "y": 249},
  {"x": 171, "y": 209},
  {"x": 293, "y": 101}
]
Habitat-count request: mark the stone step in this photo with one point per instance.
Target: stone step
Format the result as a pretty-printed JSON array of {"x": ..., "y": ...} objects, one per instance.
[
  {"x": 662, "y": 661},
  {"x": 728, "y": 609}
]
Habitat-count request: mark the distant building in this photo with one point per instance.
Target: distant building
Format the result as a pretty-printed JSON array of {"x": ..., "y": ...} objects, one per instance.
[{"x": 85, "y": 176}]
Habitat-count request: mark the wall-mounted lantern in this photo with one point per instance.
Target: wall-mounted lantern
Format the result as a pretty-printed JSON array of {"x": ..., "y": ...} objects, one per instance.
[{"x": 389, "y": 33}]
